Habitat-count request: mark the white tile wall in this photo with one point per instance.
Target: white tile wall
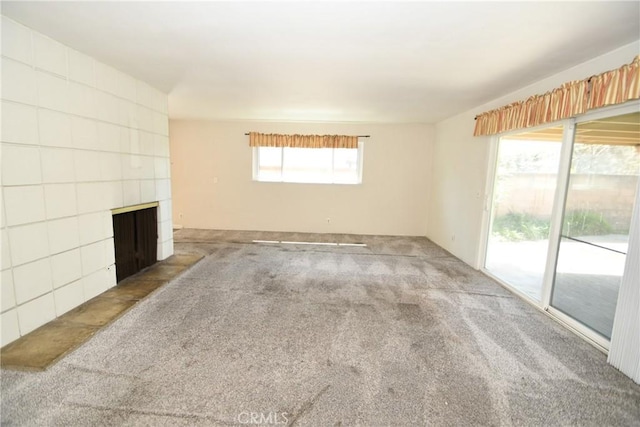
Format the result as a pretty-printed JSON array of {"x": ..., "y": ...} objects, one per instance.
[
  {"x": 147, "y": 167},
  {"x": 87, "y": 165},
  {"x": 165, "y": 230},
  {"x": 110, "y": 255},
  {"x": 111, "y": 273},
  {"x": 128, "y": 89},
  {"x": 145, "y": 94},
  {"x": 79, "y": 138},
  {"x": 24, "y": 204},
  {"x": 53, "y": 92},
  {"x": 66, "y": 267},
  {"x": 4, "y": 249},
  {"x": 91, "y": 228},
  {"x": 146, "y": 140},
  {"x": 147, "y": 190},
  {"x": 49, "y": 55},
  {"x": 110, "y": 166},
  {"x": 162, "y": 168},
  {"x": 81, "y": 68},
  {"x": 109, "y": 137},
  {"x": 107, "y": 221},
  {"x": 68, "y": 297},
  {"x": 28, "y": 243},
  {"x": 55, "y": 128},
  {"x": 7, "y": 294},
  {"x": 93, "y": 257},
  {"x": 106, "y": 78},
  {"x": 91, "y": 197},
  {"x": 131, "y": 166},
  {"x": 160, "y": 123},
  {"x": 3, "y": 215},
  {"x": 82, "y": 100},
  {"x": 58, "y": 165},
  {"x": 36, "y": 312},
  {"x": 131, "y": 192},
  {"x": 113, "y": 194},
  {"x": 136, "y": 145},
  {"x": 165, "y": 250},
  {"x": 127, "y": 116},
  {"x": 84, "y": 133},
  {"x": 126, "y": 135},
  {"x": 63, "y": 234},
  {"x": 10, "y": 328},
  {"x": 163, "y": 189},
  {"x": 96, "y": 283},
  {"x": 16, "y": 41},
  {"x": 107, "y": 107},
  {"x": 19, "y": 123},
  {"x": 145, "y": 118},
  {"x": 60, "y": 200},
  {"x": 32, "y": 280},
  {"x": 162, "y": 146},
  {"x": 165, "y": 210},
  {"x": 21, "y": 165},
  {"x": 18, "y": 82}
]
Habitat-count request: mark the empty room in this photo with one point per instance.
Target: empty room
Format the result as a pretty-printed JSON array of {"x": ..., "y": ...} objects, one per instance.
[{"x": 320, "y": 213}]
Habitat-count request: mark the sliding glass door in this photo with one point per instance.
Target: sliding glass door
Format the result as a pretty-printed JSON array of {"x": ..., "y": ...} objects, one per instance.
[
  {"x": 597, "y": 214},
  {"x": 525, "y": 184},
  {"x": 562, "y": 200}
]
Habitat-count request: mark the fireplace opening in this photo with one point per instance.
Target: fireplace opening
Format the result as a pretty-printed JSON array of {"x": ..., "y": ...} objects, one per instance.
[{"x": 135, "y": 235}]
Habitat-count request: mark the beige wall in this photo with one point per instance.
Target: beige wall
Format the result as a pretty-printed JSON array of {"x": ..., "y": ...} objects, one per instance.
[
  {"x": 211, "y": 169},
  {"x": 460, "y": 162}
]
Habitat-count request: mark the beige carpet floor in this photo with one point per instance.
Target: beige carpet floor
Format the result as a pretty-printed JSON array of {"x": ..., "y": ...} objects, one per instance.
[{"x": 395, "y": 333}]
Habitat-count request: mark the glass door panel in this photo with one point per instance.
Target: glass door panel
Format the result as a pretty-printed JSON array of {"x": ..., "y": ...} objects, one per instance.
[
  {"x": 523, "y": 195},
  {"x": 600, "y": 197}
]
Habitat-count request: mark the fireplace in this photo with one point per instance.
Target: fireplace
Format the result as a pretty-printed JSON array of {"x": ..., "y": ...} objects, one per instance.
[{"x": 135, "y": 235}]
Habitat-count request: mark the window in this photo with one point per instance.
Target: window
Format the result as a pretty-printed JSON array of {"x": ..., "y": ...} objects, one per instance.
[
  {"x": 525, "y": 183},
  {"x": 562, "y": 207},
  {"x": 308, "y": 165}
]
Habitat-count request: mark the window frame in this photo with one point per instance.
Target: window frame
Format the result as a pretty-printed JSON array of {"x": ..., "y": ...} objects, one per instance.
[
  {"x": 256, "y": 167},
  {"x": 564, "y": 169}
]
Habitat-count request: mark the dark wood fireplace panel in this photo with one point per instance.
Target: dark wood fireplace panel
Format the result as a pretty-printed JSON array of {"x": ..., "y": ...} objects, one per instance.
[{"x": 135, "y": 237}]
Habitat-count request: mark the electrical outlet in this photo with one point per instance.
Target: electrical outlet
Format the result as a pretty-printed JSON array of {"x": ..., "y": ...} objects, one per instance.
[
  {"x": 328, "y": 220},
  {"x": 453, "y": 237}
]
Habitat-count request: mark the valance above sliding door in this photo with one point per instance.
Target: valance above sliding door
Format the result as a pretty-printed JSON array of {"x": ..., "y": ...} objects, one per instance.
[
  {"x": 302, "y": 141},
  {"x": 570, "y": 100}
]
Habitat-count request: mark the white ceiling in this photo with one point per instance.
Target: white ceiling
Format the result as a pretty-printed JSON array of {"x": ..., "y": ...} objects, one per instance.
[{"x": 335, "y": 61}]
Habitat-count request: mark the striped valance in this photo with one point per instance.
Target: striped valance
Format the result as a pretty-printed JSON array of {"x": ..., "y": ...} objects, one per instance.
[
  {"x": 569, "y": 100},
  {"x": 302, "y": 141}
]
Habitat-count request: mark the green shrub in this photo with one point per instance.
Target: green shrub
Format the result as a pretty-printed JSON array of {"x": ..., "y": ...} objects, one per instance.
[
  {"x": 585, "y": 223},
  {"x": 519, "y": 226}
]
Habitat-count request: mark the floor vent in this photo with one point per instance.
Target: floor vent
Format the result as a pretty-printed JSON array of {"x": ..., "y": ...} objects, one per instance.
[{"x": 362, "y": 245}]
